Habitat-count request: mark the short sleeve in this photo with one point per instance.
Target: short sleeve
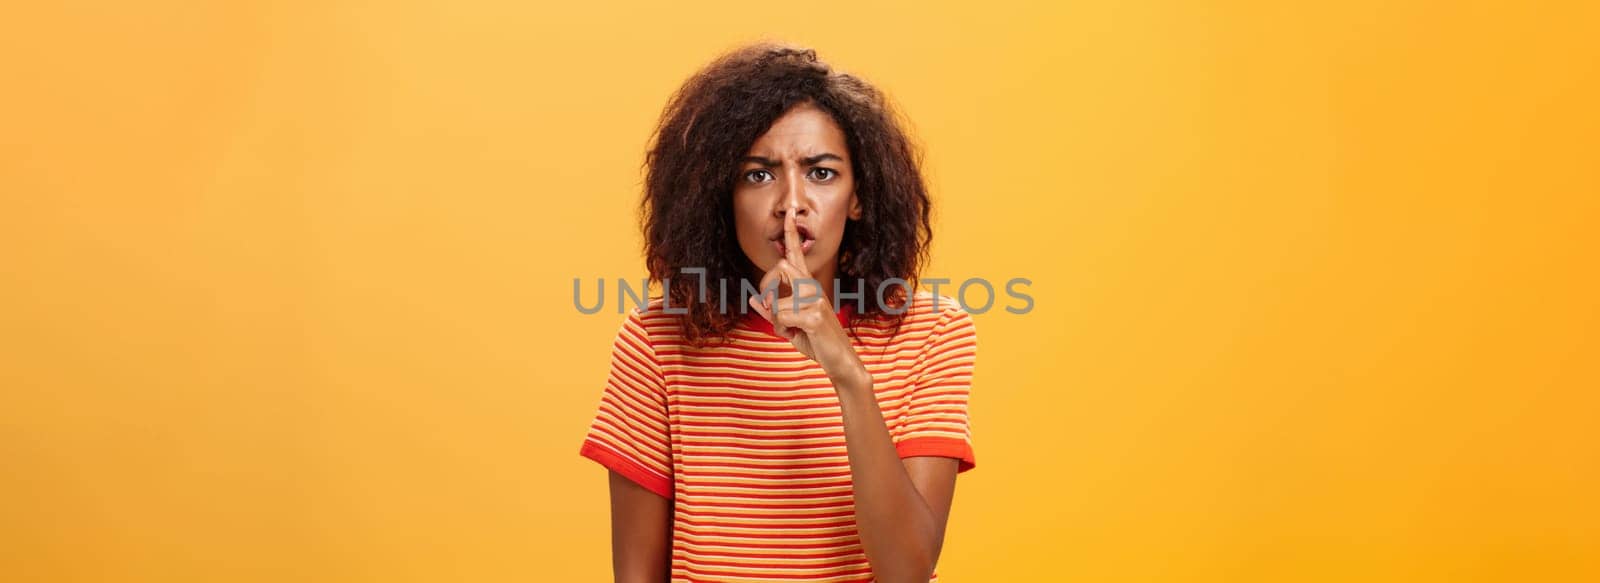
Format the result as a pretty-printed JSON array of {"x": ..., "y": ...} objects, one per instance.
[
  {"x": 630, "y": 434},
  {"x": 936, "y": 422}
]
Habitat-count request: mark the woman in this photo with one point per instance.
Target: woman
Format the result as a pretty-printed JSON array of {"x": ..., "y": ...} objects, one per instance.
[{"x": 816, "y": 435}]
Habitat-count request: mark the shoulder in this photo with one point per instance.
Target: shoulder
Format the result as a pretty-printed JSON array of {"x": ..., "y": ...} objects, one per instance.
[
  {"x": 931, "y": 320},
  {"x": 651, "y": 322},
  {"x": 947, "y": 335},
  {"x": 938, "y": 311}
]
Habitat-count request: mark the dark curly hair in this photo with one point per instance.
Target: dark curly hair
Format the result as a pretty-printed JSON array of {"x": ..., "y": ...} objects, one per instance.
[{"x": 691, "y": 167}]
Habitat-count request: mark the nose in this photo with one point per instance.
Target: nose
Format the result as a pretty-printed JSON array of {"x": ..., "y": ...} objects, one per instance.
[{"x": 792, "y": 195}]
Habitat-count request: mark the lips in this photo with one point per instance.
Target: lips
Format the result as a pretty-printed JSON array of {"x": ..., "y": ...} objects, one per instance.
[{"x": 807, "y": 240}]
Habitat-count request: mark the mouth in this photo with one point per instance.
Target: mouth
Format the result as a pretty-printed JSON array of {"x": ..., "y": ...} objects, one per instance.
[{"x": 807, "y": 240}]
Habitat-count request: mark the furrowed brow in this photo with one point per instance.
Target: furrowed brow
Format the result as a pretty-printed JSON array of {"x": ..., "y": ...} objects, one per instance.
[
  {"x": 820, "y": 157},
  {"x": 807, "y": 161}
]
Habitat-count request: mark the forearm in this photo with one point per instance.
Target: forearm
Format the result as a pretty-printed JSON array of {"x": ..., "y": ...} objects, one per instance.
[
  {"x": 641, "y": 533},
  {"x": 899, "y": 532}
]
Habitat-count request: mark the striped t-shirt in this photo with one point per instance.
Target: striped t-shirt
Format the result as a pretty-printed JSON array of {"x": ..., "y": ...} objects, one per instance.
[{"x": 747, "y": 440}]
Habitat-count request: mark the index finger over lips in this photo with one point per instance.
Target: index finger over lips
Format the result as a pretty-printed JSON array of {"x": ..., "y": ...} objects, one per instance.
[{"x": 791, "y": 240}]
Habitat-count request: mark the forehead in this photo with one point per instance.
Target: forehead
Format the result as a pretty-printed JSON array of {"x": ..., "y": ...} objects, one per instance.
[{"x": 802, "y": 131}]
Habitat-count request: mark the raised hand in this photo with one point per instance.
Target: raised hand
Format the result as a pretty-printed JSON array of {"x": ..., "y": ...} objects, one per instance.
[{"x": 805, "y": 316}]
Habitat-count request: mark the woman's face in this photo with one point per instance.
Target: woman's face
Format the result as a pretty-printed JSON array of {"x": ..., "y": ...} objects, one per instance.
[{"x": 801, "y": 161}]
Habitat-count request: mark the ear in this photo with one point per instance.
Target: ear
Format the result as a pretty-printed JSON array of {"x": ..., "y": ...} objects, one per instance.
[{"x": 855, "y": 207}]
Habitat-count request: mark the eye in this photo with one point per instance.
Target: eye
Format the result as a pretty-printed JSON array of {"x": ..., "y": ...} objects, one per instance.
[
  {"x": 757, "y": 176},
  {"x": 823, "y": 173}
]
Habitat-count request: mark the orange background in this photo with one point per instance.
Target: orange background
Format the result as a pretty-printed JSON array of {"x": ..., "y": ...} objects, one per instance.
[{"x": 285, "y": 287}]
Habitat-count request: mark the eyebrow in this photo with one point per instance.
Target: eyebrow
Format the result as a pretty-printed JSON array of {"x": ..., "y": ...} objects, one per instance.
[{"x": 770, "y": 163}]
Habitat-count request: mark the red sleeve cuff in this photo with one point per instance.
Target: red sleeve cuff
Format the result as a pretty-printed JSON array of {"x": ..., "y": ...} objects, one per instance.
[
  {"x": 629, "y": 469},
  {"x": 941, "y": 447}
]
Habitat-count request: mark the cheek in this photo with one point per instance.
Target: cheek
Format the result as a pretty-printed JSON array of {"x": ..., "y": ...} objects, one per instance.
[
  {"x": 747, "y": 219},
  {"x": 838, "y": 213}
]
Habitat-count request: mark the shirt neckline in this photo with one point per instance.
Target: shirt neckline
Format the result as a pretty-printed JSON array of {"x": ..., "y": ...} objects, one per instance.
[{"x": 757, "y": 322}]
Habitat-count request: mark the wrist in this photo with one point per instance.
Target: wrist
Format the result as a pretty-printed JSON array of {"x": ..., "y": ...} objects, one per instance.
[{"x": 851, "y": 375}]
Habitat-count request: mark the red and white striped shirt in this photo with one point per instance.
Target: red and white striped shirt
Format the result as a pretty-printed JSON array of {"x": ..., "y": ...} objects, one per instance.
[{"x": 747, "y": 440}]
